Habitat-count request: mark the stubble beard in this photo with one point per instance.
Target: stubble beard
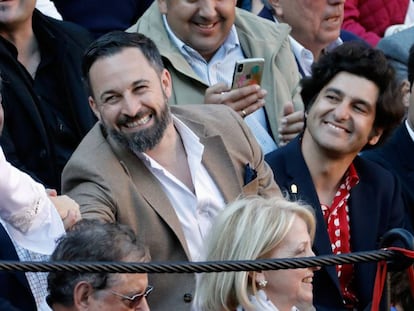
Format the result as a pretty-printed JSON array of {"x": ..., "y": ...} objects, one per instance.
[{"x": 146, "y": 139}]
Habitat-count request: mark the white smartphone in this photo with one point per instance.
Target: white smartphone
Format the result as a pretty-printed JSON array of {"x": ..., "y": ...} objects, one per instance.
[{"x": 247, "y": 72}]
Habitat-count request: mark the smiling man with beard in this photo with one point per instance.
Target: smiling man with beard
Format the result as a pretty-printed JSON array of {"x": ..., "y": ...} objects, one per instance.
[
  {"x": 164, "y": 171},
  {"x": 144, "y": 139},
  {"x": 351, "y": 101}
]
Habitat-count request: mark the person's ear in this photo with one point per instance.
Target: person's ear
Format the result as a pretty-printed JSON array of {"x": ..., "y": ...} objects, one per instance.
[
  {"x": 406, "y": 91},
  {"x": 94, "y": 107},
  {"x": 162, "y": 6},
  {"x": 166, "y": 83},
  {"x": 259, "y": 278},
  {"x": 277, "y": 7},
  {"x": 82, "y": 294},
  {"x": 375, "y": 136}
]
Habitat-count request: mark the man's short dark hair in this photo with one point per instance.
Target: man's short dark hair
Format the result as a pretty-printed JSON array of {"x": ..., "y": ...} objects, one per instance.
[
  {"x": 114, "y": 42},
  {"x": 91, "y": 240},
  {"x": 362, "y": 60}
]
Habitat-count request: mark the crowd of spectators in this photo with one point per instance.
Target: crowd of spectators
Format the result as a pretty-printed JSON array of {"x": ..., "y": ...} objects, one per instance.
[{"x": 123, "y": 113}]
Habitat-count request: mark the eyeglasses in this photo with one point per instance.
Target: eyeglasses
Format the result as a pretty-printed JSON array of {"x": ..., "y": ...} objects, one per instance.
[{"x": 135, "y": 300}]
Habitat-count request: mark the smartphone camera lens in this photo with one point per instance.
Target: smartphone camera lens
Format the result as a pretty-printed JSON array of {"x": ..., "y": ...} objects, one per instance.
[{"x": 240, "y": 68}]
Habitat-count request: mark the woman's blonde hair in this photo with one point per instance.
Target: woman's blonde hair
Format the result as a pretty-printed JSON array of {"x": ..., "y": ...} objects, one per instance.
[{"x": 247, "y": 229}]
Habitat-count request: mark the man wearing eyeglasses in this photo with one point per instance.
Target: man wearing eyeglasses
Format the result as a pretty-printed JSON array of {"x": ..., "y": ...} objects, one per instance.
[{"x": 91, "y": 240}]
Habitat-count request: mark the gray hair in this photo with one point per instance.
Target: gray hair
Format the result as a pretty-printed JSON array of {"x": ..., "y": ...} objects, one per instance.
[{"x": 91, "y": 240}]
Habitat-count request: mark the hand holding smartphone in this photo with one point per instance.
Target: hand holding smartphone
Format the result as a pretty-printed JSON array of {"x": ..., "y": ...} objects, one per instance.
[{"x": 247, "y": 72}]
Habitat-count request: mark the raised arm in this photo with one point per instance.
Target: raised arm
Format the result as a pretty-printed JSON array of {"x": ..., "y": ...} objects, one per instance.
[{"x": 31, "y": 218}]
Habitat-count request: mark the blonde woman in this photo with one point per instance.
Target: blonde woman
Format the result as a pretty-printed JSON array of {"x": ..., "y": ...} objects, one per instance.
[{"x": 258, "y": 228}]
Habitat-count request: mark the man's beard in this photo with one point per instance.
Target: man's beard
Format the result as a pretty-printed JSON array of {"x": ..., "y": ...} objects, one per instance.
[{"x": 146, "y": 139}]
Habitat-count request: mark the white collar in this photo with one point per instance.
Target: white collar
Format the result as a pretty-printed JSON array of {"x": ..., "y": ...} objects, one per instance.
[{"x": 262, "y": 303}]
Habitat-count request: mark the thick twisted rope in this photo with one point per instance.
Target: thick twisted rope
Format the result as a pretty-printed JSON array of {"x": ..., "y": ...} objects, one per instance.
[{"x": 206, "y": 266}]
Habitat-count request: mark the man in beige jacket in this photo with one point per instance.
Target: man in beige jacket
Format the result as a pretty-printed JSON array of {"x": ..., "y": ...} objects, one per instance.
[{"x": 165, "y": 171}]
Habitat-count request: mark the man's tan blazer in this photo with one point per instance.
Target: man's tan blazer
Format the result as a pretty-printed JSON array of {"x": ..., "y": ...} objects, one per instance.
[{"x": 113, "y": 184}]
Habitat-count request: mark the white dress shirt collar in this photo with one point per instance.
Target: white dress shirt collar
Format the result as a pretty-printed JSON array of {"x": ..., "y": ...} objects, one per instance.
[
  {"x": 262, "y": 303},
  {"x": 195, "y": 211}
]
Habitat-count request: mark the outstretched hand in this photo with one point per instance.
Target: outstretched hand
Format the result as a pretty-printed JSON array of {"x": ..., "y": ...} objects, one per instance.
[{"x": 67, "y": 208}]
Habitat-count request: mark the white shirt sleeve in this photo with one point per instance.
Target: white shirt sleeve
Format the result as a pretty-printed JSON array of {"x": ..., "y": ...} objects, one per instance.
[
  {"x": 48, "y": 8},
  {"x": 30, "y": 217}
]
